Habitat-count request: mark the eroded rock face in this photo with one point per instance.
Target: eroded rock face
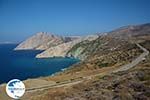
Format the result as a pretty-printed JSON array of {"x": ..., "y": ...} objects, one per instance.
[
  {"x": 62, "y": 49},
  {"x": 54, "y": 46},
  {"x": 40, "y": 41}
]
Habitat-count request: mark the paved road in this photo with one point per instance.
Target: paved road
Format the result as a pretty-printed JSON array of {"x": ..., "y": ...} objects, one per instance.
[
  {"x": 135, "y": 61},
  {"x": 122, "y": 68}
]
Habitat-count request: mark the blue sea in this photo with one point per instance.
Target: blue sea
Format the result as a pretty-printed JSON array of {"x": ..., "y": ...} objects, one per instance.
[{"x": 23, "y": 64}]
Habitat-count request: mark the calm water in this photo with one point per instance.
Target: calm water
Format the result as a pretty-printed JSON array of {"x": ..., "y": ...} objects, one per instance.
[{"x": 23, "y": 64}]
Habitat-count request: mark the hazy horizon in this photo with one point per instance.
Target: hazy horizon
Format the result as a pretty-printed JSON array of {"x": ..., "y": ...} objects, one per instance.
[{"x": 23, "y": 18}]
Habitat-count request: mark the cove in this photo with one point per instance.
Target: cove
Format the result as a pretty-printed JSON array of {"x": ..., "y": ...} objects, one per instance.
[{"x": 22, "y": 64}]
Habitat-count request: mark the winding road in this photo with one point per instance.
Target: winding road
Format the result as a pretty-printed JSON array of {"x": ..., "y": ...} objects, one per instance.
[
  {"x": 135, "y": 61},
  {"x": 121, "y": 68}
]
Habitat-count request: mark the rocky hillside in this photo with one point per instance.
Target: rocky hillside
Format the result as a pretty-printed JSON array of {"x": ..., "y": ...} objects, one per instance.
[
  {"x": 99, "y": 47},
  {"x": 129, "y": 85},
  {"x": 112, "y": 41},
  {"x": 82, "y": 47},
  {"x": 130, "y": 31},
  {"x": 106, "y": 53},
  {"x": 62, "y": 49},
  {"x": 40, "y": 41}
]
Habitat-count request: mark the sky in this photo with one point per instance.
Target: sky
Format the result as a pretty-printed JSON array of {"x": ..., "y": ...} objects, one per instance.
[{"x": 20, "y": 19}]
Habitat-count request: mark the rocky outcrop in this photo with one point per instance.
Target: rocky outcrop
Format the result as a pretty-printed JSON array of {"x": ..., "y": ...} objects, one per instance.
[
  {"x": 40, "y": 41},
  {"x": 62, "y": 49},
  {"x": 54, "y": 46}
]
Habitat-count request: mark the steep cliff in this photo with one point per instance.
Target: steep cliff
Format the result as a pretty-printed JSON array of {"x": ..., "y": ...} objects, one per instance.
[{"x": 62, "y": 49}]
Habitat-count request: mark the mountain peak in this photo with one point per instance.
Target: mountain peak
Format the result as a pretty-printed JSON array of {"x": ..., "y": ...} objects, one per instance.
[
  {"x": 44, "y": 33},
  {"x": 40, "y": 41}
]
